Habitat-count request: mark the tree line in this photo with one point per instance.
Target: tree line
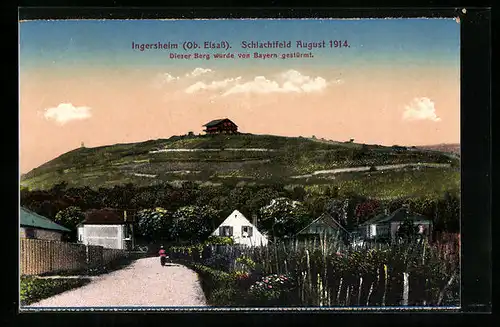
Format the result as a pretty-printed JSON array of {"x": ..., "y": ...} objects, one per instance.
[{"x": 192, "y": 211}]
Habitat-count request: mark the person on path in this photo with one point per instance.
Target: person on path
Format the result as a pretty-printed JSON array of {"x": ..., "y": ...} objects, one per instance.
[{"x": 163, "y": 255}]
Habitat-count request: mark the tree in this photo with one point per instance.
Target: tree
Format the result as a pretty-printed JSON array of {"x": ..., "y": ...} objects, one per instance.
[
  {"x": 332, "y": 191},
  {"x": 339, "y": 209},
  {"x": 283, "y": 217},
  {"x": 407, "y": 230},
  {"x": 298, "y": 193},
  {"x": 153, "y": 224},
  {"x": 316, "y": 205},
  {"x": 260, "y": 197},
  {"x": 366, "y": 210},
  {"x": 70, "y": 217},
  {"x": 193, "y": 223}
]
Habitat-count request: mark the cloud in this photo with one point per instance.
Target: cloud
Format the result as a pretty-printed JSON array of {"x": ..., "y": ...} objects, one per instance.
[
  {"x": 420, "y": 109},
  {"x": 199, "y": 71},
  {"x": 214, "y": 85},
  {"x": 66, "y": 112},
  {"x": 164, "y": 78},
  {"x": 167, "y": 78},
  {"x": 291, "y": 81},
  {"x": 260, "y": 84}
]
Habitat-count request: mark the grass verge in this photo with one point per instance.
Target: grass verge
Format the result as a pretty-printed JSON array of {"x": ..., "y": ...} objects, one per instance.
[{"x": 34, "y": 289}]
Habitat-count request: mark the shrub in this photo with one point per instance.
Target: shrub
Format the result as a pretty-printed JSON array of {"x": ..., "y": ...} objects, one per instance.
[
  {"x": 224, "y": 296},
  {"x": 246, "y": 262},
  {"x": 271, "y": 288},
  {"x": 219, "y": 240},
  {"x": 34, "y": 289},
  {"x": 219, "y": 287},
  {"x": 219, "y": 262}
]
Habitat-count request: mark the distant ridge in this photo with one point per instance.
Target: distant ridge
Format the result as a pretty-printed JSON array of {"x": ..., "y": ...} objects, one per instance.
[{"x": 443, "y": 147}]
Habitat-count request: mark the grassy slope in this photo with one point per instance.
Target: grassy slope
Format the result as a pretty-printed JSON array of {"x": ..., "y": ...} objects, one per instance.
[{"x": 116, "y": 164}]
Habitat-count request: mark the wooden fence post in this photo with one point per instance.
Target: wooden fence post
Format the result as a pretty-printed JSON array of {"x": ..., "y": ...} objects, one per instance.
[
  {"x": 359, "y": 290},
  {"x": 385, "y": 284},
  {"x": 338, "y": 292},
  {"x": 406, "y": 288}
]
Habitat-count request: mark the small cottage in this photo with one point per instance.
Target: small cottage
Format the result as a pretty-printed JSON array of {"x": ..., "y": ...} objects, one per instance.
[
  {"x": 385, "y": 226},
  {"x": 237, "y": 226},
  {"x": 35, "y": 226},
  {"x": 221, "y": 126},
  {"x": 324, "y": 225},
  {"x": 108, "y": 228}
]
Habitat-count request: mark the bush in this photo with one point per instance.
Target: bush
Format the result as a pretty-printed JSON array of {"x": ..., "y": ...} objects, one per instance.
[
  {"x": 247, "y": 262},
  {"x": 34, "y": 289},
  {"x": 224, "y": 296},
  {"x": 219, "y": 262},
  {"x": 219, "y": 240},
  {"x": 271, "y": 289},
  {"x": 218, "y": 286}
]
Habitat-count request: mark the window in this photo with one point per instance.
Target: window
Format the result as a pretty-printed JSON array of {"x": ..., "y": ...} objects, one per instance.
[
  {"x": 246, "y": 231},
  {"x": 226, "y": 231},
  {"x": 80, "y": 237},
  {"x": 373, "y": 230}
]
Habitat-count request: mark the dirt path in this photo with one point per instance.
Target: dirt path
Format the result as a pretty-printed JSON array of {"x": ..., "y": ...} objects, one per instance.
[
  {"x": 378, "y": 168},
  {"x": 143, "y": 283}
]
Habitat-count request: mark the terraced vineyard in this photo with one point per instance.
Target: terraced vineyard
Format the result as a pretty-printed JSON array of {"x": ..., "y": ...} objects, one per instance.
[{"x": 243, "y": 157}]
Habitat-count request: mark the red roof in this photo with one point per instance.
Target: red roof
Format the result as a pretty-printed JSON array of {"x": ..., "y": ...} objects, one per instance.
[{"x": 107, "y": 217}]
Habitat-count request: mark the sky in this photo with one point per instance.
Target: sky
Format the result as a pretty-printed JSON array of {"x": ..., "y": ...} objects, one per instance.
[{"x": 388, "y": 81}]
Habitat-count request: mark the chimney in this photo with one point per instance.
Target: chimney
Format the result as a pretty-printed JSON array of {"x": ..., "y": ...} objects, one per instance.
[{"x": 254, "y": 220}]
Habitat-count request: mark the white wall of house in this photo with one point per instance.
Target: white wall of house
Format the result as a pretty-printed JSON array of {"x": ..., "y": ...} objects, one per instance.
[
  {"x": 238, "y": 223},
  {"x": 107, "y": 236},
  {"x": 42, "y": 234}
]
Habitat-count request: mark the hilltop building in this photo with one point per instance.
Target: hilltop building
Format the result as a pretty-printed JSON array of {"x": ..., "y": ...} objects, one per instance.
[{"x": 221, "y": 126}]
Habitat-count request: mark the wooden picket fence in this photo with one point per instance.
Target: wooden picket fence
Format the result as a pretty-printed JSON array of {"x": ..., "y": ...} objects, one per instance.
[
  {"x": 41, "y": 256},
  {"x": 321, "y": 281}
]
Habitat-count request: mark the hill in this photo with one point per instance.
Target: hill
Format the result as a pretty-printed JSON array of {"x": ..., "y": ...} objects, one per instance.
[
  {"x": 448, "y": 148},
  {"x": 234, "y": 159}
]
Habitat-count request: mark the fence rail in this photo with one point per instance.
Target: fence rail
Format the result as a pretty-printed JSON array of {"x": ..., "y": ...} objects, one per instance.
[{"x": 41, "y": 256}]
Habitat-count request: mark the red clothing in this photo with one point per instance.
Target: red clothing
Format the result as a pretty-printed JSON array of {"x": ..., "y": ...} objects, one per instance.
[{"x": 163, "y": 253}]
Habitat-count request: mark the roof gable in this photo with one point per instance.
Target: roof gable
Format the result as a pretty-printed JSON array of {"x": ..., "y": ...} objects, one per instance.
[
  {"x": 236, "y": 215},
  {"x": 327, "y": 220},
  {"x": 401, "y": 214},
  {"x": 28, "y": 218},
  {"x": 374, "y": 220}
]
